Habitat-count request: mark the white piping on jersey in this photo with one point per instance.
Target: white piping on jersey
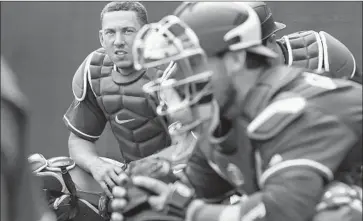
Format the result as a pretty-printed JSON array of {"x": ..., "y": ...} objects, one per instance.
[
  {"x": 78, "y": 131},
  {"x": 289, "y": 105},
  {"x": 321, "y": 54},
  {"x": 289, "y": 50},
  {"x": 295, "y": 163}
]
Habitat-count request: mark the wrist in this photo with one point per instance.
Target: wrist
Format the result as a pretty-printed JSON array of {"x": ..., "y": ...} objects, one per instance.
[
  {"x": 178, "y": 199},
  {"x": 198, "y": 211},
  {"x": 192, "y": 209},
  {"x": 94, "y": 162}
]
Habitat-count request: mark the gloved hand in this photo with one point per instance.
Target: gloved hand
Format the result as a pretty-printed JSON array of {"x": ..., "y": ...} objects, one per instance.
[
  {"x": 157, "y": 168},
  {"x": 340, "y": 202},
  {"x": 143, "y": 198}
]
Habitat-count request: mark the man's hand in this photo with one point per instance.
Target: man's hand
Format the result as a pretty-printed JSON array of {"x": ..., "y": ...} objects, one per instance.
[
  {"x": 106, "y": 174},
  {"x": 157, "y": 201}
]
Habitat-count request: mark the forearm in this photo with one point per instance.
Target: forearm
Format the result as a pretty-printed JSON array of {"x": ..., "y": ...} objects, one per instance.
[
  {"x": 292, "y": 195},
  {"x": 165, "y": 153},
  {"x": 212, "y": 212},
  {"x": 83, "y": 152}
]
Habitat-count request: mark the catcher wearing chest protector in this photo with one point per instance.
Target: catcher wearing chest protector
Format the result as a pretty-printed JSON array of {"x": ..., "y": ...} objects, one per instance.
[{"x": 287, "y": 139}]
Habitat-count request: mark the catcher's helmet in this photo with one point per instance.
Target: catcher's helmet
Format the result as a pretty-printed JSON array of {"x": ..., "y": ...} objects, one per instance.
[
  {"x": 202, "y": 29},
  {"x": 268, "y": 25},
  {"x": 223, "y": 26}
]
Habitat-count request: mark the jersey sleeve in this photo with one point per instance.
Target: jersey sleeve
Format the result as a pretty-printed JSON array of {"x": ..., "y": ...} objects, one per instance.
[
  {"x": 317, "y": 141},
  {"x": 294, "y": 166},
  {"x": 85, "y": 118}
]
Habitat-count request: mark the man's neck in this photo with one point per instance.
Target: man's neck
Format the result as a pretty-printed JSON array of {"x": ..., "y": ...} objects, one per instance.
[
  {"x": 250, "y": 77},
  {"x": 124, "y": 71}
]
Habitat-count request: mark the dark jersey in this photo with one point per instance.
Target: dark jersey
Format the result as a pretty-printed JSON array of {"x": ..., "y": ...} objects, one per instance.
[{"x": 304, "y": 130}]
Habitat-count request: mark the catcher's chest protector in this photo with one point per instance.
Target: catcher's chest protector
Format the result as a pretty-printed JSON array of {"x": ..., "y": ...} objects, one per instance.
[{"x": 138, "y": 129}]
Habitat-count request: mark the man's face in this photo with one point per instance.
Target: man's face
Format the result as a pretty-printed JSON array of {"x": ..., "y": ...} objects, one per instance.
[
  {"x": 118, "y": 33},
  {"x": 220, "y": 80},
  {"x": 202, "y": 109}
]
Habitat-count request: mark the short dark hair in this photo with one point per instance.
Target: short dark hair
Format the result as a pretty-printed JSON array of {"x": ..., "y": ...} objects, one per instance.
[{"x": 127, "y": 6}]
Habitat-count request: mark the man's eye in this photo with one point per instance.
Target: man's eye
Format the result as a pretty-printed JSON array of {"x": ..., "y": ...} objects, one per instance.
[
  {"x": 109, "y": 32},
  {"x": 129, "y": 31}
]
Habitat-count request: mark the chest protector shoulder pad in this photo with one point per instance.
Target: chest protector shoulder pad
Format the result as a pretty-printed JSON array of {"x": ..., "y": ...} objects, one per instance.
[
  {"x": 82, "y": 76},
  {"x": 319, "y": 51}
]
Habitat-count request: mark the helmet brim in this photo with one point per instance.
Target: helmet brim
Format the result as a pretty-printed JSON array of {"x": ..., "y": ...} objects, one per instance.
[{"x": 278, "y": 26}]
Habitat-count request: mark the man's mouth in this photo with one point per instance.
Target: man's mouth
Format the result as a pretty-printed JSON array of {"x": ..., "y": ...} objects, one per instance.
[{"x": 120, "y": 52}]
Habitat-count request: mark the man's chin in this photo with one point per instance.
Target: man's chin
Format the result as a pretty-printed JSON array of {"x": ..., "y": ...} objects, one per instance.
[{"x": 124, "y": 64}]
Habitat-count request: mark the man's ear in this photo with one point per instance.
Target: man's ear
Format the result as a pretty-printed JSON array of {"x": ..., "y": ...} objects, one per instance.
[
  {"x": 234, "y": 61},
  {"x": 100, "y": 34}
]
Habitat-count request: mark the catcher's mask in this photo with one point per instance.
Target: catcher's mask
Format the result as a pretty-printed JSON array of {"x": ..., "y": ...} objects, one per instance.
[
  {"x": 171, "y": 40},
  {"x": 181, "y": 86}
]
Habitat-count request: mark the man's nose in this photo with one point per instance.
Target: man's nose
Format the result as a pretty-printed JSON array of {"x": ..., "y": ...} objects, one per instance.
[{"x": 120, "y": 39}]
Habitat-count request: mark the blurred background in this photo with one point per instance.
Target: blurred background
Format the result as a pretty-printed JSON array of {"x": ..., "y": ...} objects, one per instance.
[{"x": 44, "y": 42}]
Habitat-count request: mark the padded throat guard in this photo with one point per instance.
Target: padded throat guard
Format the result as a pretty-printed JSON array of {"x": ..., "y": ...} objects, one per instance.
[{"x": 318, "y": 51}]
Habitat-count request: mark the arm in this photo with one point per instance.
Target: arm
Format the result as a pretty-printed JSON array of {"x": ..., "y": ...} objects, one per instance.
[
  {"x": 272, "y": 203},
  {"x": 86, "y": 122},
  {"x": 310, "y": 150},
  {"x": 83, "y": 152}
]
